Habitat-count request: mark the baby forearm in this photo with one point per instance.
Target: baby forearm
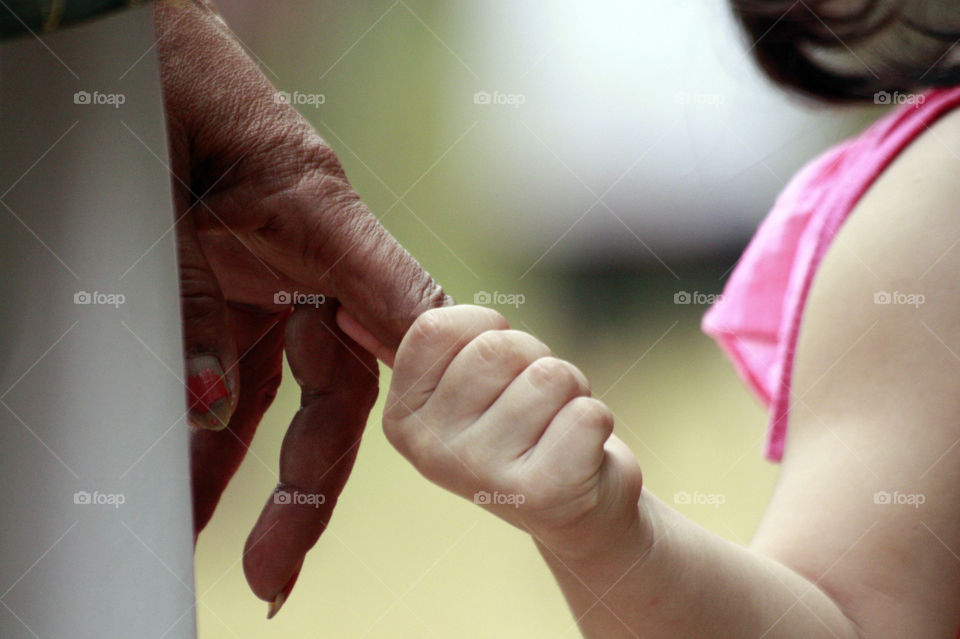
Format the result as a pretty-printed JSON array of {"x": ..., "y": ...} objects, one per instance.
[
  {"x": 691, "y": 583},
  {"x": 484, "y": 410}
]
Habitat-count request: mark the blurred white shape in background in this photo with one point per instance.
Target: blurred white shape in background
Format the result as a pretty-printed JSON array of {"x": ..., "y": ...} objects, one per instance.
[{"x": 656, "y": 109}]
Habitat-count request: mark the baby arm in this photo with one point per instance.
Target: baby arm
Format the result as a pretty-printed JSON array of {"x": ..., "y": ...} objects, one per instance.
[
  {"x": 875, "y": 411},
  {"x": 485, "y": 411}
]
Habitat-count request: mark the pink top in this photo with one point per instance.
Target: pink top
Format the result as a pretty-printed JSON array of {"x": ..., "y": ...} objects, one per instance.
[{"x": 757, "y": 320}]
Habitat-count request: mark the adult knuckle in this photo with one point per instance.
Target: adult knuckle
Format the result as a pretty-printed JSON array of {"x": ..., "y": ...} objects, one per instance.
[
  {"x": 315, "y": 204},
  {"x": 319, "y": 172},
  {"x": 266, "y": 387},
  {"x": 366, "y": 389},
  {"x": 377, "y": 254},
  {"x": 200, "y": 295},
  {"x": 335, "y": 222},
  {"x": 422, "y": 293},
  {"x": 196, "y": 280},
  {"x": 317, "y": 156},
  {"x": 288, "y": 148}
]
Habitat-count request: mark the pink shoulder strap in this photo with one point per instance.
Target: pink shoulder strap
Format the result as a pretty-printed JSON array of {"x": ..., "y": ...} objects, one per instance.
[{"x": 757, "y": 320}]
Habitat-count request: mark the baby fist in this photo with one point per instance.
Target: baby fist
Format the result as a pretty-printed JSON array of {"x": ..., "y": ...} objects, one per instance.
[{"x": 490, "y": 414}]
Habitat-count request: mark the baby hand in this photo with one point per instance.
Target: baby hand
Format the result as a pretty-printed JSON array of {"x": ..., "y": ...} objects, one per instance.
[{"x": 489, "y": 413}]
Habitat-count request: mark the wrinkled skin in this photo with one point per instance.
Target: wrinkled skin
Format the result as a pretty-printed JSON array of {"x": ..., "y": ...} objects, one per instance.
[{"x": 263, "y": 206}]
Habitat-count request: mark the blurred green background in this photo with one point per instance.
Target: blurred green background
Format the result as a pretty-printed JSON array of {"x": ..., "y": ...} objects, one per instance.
[{"x": 644, "y": 151}]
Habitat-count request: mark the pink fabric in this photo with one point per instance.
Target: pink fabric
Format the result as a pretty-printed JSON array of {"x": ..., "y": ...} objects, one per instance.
[{"x": 757, "y": 320}]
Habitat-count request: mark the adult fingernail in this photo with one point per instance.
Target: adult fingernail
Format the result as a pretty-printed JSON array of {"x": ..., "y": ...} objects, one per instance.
[
  {"x": 274, "y": 606},
  {"x": 207, "y": 394}
]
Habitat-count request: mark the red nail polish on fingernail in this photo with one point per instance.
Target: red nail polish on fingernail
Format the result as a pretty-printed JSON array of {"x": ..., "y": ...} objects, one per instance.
[
  {"x": 205, "y": 388},
  {"x": 208, "y": 397}
]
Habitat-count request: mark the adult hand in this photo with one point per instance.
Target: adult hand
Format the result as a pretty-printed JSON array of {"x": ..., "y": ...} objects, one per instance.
[{"x": 272, "y": 242}]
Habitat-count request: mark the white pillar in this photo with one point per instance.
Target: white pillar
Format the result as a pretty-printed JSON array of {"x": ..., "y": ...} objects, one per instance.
[{"x": 95, "y": 529}]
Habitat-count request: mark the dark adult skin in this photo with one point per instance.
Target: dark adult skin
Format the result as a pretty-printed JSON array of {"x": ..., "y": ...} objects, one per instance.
[{"x": 263, "y": 205}]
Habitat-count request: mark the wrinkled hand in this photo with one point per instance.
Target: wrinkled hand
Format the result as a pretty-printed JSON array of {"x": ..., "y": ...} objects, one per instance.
[{"x": 264, "y": 211}]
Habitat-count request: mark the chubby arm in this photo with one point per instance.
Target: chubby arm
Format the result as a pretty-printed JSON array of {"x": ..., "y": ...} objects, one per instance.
[
  {"x": 862, "y": 536},
  {"x": 876, "y": 408},
  {"x": 490, "y": 414},
  {"x": 875, "y": 418}
]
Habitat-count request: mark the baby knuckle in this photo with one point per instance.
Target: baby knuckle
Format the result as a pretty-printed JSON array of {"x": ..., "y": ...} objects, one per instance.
[
  {"x": 494, "y": 347},
  {"x": 425, "y": 449},
  {"x": 592, "y": 413},
  {"x": 476, "y": 460},
  {"x": 537, "y": 496},
  {"x": 410, "y": 439},
  {"x": 434, "y": 325},
  {"x": 551, "y": 372},
  {"x": 394, "y": 410},
  {"x": 396, "y": 433}
]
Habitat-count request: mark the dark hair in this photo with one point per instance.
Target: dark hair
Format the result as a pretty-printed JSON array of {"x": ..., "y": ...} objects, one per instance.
[{"x": 846, "y": 50}]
